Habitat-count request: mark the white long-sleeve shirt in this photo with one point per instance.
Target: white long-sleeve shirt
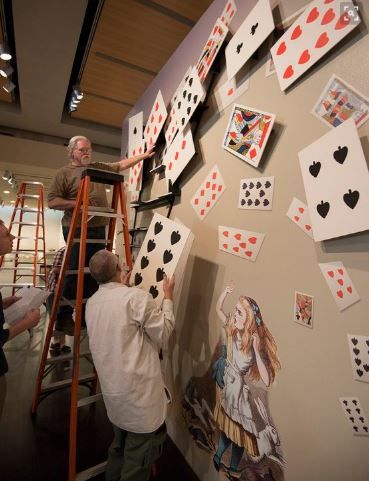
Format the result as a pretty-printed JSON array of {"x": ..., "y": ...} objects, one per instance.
[{"x": 126, "y": 330}]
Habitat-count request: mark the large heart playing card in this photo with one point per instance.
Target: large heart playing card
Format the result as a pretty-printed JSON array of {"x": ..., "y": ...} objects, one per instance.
[
  {"x": 155, "y": 120},
  {"x": 355, "y": 415},
  {"x": 178, "y": 155},
  {"x": 336, "y": 181},
  {"x": 256, "y": 193},
  {"x": 359, "y": 352},
  {"x": 247, "y": 133},
  {"x": 241, "y": 243},
  {"x": 298, "y": 212},
  {"x": 211, "y": 49},
  {"x": 160, "y": 254},
  {"x": 323, "y": 24},
  {"x": 340, "y": 284},
  {"x": 208, "y": 193},
  {"x": 136, "y": 146},
  {"x": 251, "y": 34}
]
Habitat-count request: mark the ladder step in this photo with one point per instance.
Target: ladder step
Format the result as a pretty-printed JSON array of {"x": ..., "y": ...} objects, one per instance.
[
  {"x": 109, "y": 210},
  {"x": 28, "y": 238},
  {"x": 19, "y": 284},
  {"x": 29, "y": 196},
  {"x": 66, "y": 357},
  {"x": 92, "y": 241},
  {"x": 91, "y": 472},
  {"x": 89, "y": 400},
  {"x": 28, "y": 223},
  {"x": 18, "y": 268},
  {"x": 97, "y": 213},
  {"x": 32, "y": 182},
  {"x": 30, "y": 275},
  {"x": 23, "y": 250},
  {"x": 86, "y": 270},
  {"x": 71, "y": 302},
  {"x": 54, "y": 386},
  {"x": 27, "y": 209}
]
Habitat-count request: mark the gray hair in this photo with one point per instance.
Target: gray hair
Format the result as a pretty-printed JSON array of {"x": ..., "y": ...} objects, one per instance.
[
  {"x": 103, "y": 266},
  {"x": 72, "y": 143}
]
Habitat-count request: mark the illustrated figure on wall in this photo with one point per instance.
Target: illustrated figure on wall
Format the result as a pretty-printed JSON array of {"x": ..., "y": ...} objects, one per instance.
[{"x": 250, "y": 351}]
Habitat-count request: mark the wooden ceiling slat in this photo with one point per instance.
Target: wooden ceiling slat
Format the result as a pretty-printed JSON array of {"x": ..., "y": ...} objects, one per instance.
[
  {"x": 102, "y": 111},
  {"x": 191, "y": 9},
  {"x": 109, "y": 79},
  {"x": 137, "y": 34}
]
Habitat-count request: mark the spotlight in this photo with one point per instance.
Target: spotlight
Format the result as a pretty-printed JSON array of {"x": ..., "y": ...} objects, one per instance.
[
  {"x": 77, "y": 93},
  {"x": 9, "y": 86},
  {"x": 6, "y": 71},
  {"x": 5, "y": 52}
]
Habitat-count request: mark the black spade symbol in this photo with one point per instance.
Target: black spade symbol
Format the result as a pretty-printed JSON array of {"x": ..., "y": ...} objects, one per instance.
[
  {"x": 356, "y": 351},
  {"x": 348, "y": 410},
  {"x": 361, "y": 419},
  {"x": 366, "y": 367},
  {"x": 261, "y": 193},
  {"x": 135, "y": 131},
  {"x": 367, "y": 342},
  {"x": 253, "y": 28},
  {"x": 159, "y": 274},
  {"x": 257, "y": 202},
  {"x": 151, "y": 245},
  {"x": 265, "y": 202},
  {"x": 184, "y": 94},
  {"x": 267, "y": 184},
  {"x": 357, "y": 361},
  {"x": 360, "y": 372},
  {"x": 249, "y": 202},
  {"x": 244, "y": 186},
  {"x": 340, "y": 154},
  {"x": 138, "y": 278},
  {"x": 239, "y": 46},
  {"x": 153, "y": 291},
  {"x": 352, "y": 419},
  {"x": 354, "y": 402},
  {"x": 251, "y": 185},
  {"x": 179, "y": 105},
  {"x": 158, "y": 227},
  {"x": 183, "y": 120},
  {"x": 247, "y": 193},
  {"x": 167, "y": 256},
  {"x": 144, "y": 262},
  {"x": 314, "y": 168},
  {"x": 357, "y": 410},
  {"x": 351, "y": 198},
  {"x": 258, "y": 185},
  {"x": 190, "y": 82},
  {"x": 354, "y": 341},
  {"x": 189, "y": 97},
  {"x": 323, "y": 209},
  {"x": 186, "y": 79},
  {"x": 243, "y": 202},
  {"x": 188, "y": 110},
  {"x": 345, "y": 403},
  {"x": 365, "y": 429},
  {"x": 175, "y": 237},
  {"x": 195, "y": 97},
  {"x": 356, "y": 429}
]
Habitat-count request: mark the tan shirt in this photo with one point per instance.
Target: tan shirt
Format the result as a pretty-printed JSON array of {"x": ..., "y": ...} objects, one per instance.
[{"x": 66, "y": 185}]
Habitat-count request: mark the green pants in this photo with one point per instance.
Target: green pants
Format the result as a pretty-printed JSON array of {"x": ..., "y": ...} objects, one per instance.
[{"x": 131, "y": 454}]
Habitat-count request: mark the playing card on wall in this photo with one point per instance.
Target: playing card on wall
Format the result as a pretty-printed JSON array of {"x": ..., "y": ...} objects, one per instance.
[
  {"x": 230, "y": 91},
  {"x": 256, "y": 193},
  {"x": 211, "y": 48},
  {"x": 336, "y": 181},
  {"x": 323, "y": 24},
  {"x": 155, "y": 120},
  {"x": 160, "y": 254},
  {"x": 178, "y": 155},
  {"x": 241, "y": 243},
  {"x": 208, "y": 193},
  {"x": 228, "y": 13},
  {"x": 188, "y": 99},
  {"x": 250, "y": 35},
  {"x": 355, "y": 415},
  {"x": 247, "y": 133},
  {"x": 359, "y": 352},
  {"x": 136, "y": 146},
  {"x": 304, "y": 309},
  {"x": 340, "y": 284},
  {"x": 298, "y": 212}
]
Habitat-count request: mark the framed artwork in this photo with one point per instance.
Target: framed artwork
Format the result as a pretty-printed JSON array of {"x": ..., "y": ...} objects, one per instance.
[
  {"x": 247, "y": 133},
  {"x": 303, "y": 309}
]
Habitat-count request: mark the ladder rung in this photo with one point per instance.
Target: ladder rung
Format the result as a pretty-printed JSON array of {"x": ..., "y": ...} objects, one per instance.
[
  {"x": 86, "y": 270},
  {"x": 93, "y": 241},
  {"x": 71, "y": 302},
  {"x": 31, "y": 275},
  {"x": 32, "y": 182},
  {"x": 66, "y": 357},
  {"x": 29, "y": 238},
  {"x": 109, "y": 210},
  {"x": 97, "y": 213},
  {"x": 29, "y": 196},
  {"x": 23, "y": 250},
  {"x": 26, "y": 209},
  {"x": 91, "y": 472},
  {"x": 28, "y": 223},
  {"x": 20, "y": 284},
  {"x": 18, "y": 268},
  {"x": 89, "y": 400},
  {"x": 54, "y": 386}
]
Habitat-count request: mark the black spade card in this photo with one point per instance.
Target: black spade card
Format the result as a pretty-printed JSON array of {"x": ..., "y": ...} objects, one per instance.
[
  {"x": 336, "y": 181},
  {"x": 256, "y": 193},
  {"x": 188, "y": 99},
  {"x": 359, "y": 353},
  {"x": 355, "y": 415}
]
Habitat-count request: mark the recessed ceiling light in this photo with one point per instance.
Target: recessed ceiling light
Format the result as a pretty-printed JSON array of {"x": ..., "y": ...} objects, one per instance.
[{"x": 6, "y": 191}]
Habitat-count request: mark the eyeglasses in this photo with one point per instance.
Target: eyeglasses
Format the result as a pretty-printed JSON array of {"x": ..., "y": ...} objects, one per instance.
[{"x": 85, "y": 150}]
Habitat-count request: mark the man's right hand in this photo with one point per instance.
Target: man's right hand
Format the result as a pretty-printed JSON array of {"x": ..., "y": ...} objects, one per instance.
[
  {"x": 31, "y": 318},
  {"x": 168, "y": 287}
]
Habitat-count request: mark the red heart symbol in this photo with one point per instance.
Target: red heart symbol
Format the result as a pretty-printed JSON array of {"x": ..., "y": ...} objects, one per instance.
[
  {"x": 342, "y": 22},
  {"x": 313, "y": 15},
  {"x": 330, "y": 273},
  {"x": 238, "y": 236},
  {"x": 248, "y": 253},
  {"x": 301, "y": 209},
  {"x": 349, "y": 289},
  {"x": 213, "y": 197},
  {"x": 202, "y": 212},
  {"x": 328, "y": 16},
  {"x": 208, "y": 203},
  {"x": 236, "y": 249},
  {"x": 202, "y": 192},
  {"x": 156, "y": 106},
  {"x": 304, "y": 57},
  {"x": 282, "y": 48},
  {"x": 230, "y": 92},
  {"x": 288, "y": 72},
  {"x": 340, "y": 271},
  {"x": 322, "y": 40},
  {"x": 340, "y": 294},
  {"x": 307, "y": 227},
  {"x": 207, "y": 185},
  {"x": 225, "y": 246},
  {"x": 243, "y": 245},
  {"x": 252, "y": 240},
  {"x": 214, "y": 176},
  {"x": 220, "y": 187},
  {"x": 296, "y": 218},
  {"x": 340, "y": 282},
  {"x": 196, "y": 201},
  {"x": 225, "y": 233},
  {"x": 170, "y": 166},
  {"x": 296, "y": 33}
]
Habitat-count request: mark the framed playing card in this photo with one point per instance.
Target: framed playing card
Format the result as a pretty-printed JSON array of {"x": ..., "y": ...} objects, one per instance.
[
  {"x": 229, "y": 12},
  {"x": 359, "y": 353},
  {"x": 208, "y": 194},
  {"x": 256, "y": 193},
  {"x": 322, "y": 25},
  {"x": 160, "y": 254},
  {"x": 303, "y": 311},
  {"x": 340, "y": 284},
  {"x": 242, "y": 243},
  {"x": 355, "y": 415},
  {"x": 178, "y": 155},
  {"x": 211, "y": 49},
  {"x": 136, "y": 146},
  {"x": 298, "y": 212},
  {"x": 247, "y": 133},
  {"x": 251, "y": 34},
  {"x": 340, "y": 101},
  {"x": 336, "y": 181},
  {"x": 227, "y": 93},
  {"x": 155, "y": 120}
]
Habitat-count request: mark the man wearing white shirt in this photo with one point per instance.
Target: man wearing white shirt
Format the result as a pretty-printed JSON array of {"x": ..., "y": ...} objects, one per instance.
[{"x": 126, "y": 331}]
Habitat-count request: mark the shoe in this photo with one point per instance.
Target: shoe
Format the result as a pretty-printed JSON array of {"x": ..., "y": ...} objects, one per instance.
[{"x": 66, "y": 349}]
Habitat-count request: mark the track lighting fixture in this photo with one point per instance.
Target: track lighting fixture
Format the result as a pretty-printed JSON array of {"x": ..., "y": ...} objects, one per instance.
[
  {"x": 9, "y": 86},
  {"x": 5, "y": 52},
  {"x": 75, "y": 98},
  {"x": 6, "y": 71}
]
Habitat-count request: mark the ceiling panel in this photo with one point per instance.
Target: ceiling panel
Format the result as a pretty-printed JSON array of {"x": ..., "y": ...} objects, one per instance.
[{"x": 191, "y": 9}]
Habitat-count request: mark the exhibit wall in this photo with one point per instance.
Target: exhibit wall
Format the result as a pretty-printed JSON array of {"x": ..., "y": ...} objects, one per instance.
[{"x": 318, "y": 372}]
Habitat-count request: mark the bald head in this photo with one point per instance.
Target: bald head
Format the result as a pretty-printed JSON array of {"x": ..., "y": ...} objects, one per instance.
[{"x": 103, "y": 266}]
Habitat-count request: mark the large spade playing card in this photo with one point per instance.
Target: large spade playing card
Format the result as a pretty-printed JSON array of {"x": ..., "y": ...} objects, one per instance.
[
  {"x": 323, "y": 24},
  {"x": 340, "y": 284},
  {"x": 355, "y": 415},
  {"x": 136, "y": 146},
  {"x": 241, "y": 243},
  {"x": 208, "y": 194},
  {"x": 211, "y": 49},
  {"x": 256, "y": 193},
  {"x": 160, "y": 254},
  {"x": 178, "y": 154},
  {"x": 359, "y": 352},
  {"x": 336, "y": 181},
  {"x": 251, "y": 34},
  {"x": 155, "y": 120}
]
